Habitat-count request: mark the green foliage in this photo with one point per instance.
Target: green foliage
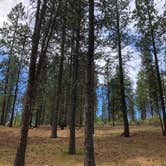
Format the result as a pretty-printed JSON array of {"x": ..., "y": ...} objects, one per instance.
[{"x": 14, "y": 46}]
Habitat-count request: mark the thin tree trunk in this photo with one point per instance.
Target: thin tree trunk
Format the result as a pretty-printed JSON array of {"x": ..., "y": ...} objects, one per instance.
[
  {"x": 37, "y": 118},
  {"x": 108, "y": 100},
  {"x": 143, "y": 112},
  {"x": 43, "y": 111},
  {"x": 151, "y": 106},
  {"x": 8, "y": 105},
  {"x": 69, "y": 85},
  {"x": 113, "y": 114},
  {"x": 59, "y": 88},
  {"x": 160, "y": 118},
  {"x": 158, "y": 110},
  {"x": 65, "y": 106},
  {"x": 16, "y": 88},
  {"x": 15, "y": 98},
  {"x": 121, "y": 75},
  {"x": 82, "y": 109}
]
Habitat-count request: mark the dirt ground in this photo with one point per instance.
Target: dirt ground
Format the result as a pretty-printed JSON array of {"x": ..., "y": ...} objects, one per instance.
[{"x": 145, "y": 147}]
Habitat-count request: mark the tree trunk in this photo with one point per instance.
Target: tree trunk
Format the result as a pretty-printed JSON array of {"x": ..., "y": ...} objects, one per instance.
[
  {"x": 121, "y": 75},
  {"x": 72, "y": 149},
  {"x": 113, "y": 114},
  {"x": 20, "y": 155},
  {"x": 16, "y": 88},
  {"x": 155, "y": 95},
  {"x": 43, "y": 111},
  {"x": 89, "y": 159},
  {"x": 37, "y": 118},
  {"x": 143, "y": 112},
  {"x": 59, "y": 87},
  {"x": 108, "y": 104},
  {"x": 82, "y": 109},
  {"x": 65, "y": 106}
]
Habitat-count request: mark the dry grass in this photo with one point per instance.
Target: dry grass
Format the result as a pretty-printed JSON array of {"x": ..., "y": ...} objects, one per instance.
[{"x": 146, "y": 147}]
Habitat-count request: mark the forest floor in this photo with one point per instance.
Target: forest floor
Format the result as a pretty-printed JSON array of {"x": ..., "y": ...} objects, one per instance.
[{"x": 145, "y": 147}]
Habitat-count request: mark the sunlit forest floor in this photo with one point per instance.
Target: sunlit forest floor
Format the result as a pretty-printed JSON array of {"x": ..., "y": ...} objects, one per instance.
[{"x": 146, "y": 147}]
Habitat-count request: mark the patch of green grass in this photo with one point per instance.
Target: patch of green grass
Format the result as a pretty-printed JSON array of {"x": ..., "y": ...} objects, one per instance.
[
  {"x": 79, "y": 151},
  {"x": 64, "y": 157}
]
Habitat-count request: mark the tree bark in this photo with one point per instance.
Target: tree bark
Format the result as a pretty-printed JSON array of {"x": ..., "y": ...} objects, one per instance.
[
  {"x": 72, "y": 149},
  {"x": 89, "y": 159}
]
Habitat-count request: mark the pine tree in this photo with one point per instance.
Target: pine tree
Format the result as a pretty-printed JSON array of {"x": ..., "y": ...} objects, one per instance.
[
  {"x": 23, "y": 43},
  {"x": 116, "y": 19},
  {"x": 20, "y": 155},
  {"x": 89, "y": 159},
  {"x": 10, "y": 41},
  {"x": 146, "y": 16},
  {"x": 75, "y": 80}
]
